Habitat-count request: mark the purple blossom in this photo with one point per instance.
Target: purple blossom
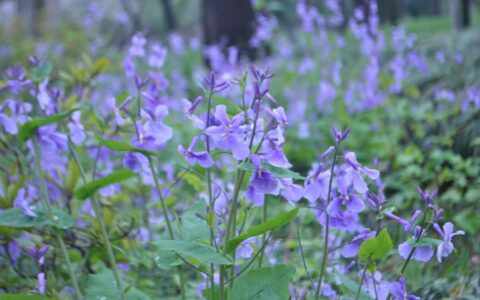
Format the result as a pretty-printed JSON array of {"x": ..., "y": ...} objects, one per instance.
[
  {"x": 229, "y": 134},
  {"x": 157, "y": 56},
  {"x": 137, "y": 46},
  {"x": 290, "y": 191},
  {"x": 245, "y": 249},
  {"x": 200, "y": 157},
  {"x": 350, "y": 202},
  {"x": 23, "y": 201},
  {"x": 423, "y": 253},
  {"x": 316, "y": 186},
  {"x": 427, "y": 196},
  {"x": 18, "y": 114},
  {"x": 77, "y": 131},
  {"x": 261, "y": 183},
  {"x": 407, "y": 225},
  {"x": 399, "y": 290},
  {"x": 446, "y": 247},
  {"x": 354, "y": 171},
  {"x": 42, "y": 283},
  {"x": 351, "y": 249}
]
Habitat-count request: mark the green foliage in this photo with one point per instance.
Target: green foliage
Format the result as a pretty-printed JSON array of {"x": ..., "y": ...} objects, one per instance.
[
  {"x": 123, "y": 146},
  {"x": 270, "y": 283},
  {"x": 28, "y": 129},
  {"x": 376, "y": 247},
  {"x": 276, "y": 171},
  {"x": 90, "y": 188},
  {"x": 194, "y": 250},
  {"x": 269, "y": 224},
  {"x": 15, "y": 218}
]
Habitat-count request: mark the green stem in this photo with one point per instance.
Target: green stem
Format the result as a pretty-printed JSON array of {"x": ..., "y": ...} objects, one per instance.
[
  {"x": 327, "y": 228},
  {"x": 48, "y": 206},
  {"x": 100, "y": 218},
  {"x": 410, "y": 255},
  {"x": 210, "y": 198},
  {"x": 167, "y": 220},
  {"x": 361, "y": 280},
  {"x": 264, "y": 236}
]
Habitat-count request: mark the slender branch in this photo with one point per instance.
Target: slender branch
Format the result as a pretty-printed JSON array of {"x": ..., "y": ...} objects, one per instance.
[
  {"x": 303, "y": 257},
  {"x": 99, "y": 215},
  {"x": 327, "y": 226},
  {"x": 48, "y": 207}
]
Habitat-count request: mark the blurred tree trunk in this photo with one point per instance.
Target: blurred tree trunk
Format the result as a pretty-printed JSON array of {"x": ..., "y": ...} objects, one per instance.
[
  {"x": 390, "y": 11},
  {"x": 134, "y": 17},
  {"x": 229, "y": 23},
  {"x": 29, "y": 12},
  {"x": 437, "y": 8},
  {"x": 460, "y": 12},
  {"x": 170, "y": 19}
]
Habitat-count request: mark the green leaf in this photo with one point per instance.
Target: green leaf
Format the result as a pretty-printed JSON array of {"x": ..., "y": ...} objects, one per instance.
[
  {"x": 167, "y": 259},
  {"x": 268, "y": 225},
  {"x": 276, "y": 171},
  {"x": 123, "y": 146},
  {"x": 423, "y": 242},
  {"x": 90, "y": 188},
  {"x": 28, "y": 128},
  {"x": 103, "y": 286},
  {"x": 14, "y": 217},
  {"x": 376, "y": 247},
  {"x": 195, "y": 250},
  {"x": 351, "y": 286},
  {"x": 23, "y": 297},
  {"x": 232, "y": 108},
  {"x": 41, "y": 72},
  {"x": 270, "y": 283}
]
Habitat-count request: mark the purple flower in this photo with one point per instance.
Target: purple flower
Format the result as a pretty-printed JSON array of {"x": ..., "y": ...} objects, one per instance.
[
  {"x": 42, "y": 283},
  {"x": 292, "y": 192},
  {"x": 446, "y": 247},
  {"x": 18, "y": 115},
  {"x": 399, "y": 290},
  {"x": 351, "y": 249},
  {"x": 245, "y": 249},
  {"x": 427, "y": 196},
  {"x": 316, "y": 186},
  {"x": 353, "y": 173},
  {"x": 137, "y": 46},
  {"x": 351, "y": 202},
  {"x": 213, "y": 85},
  {"x": 423, "y": 253},
  {"x": 229, "y": 134},
  {"x": 339, "y": 136},
  {"x": 407, "y": 225},
  {"x": 141, "y": 140},
  {"x": 201, "y": 157},
  {"x": 157, "y": 56},
  {"x": 261, "y": 183},
  {"x": 23, "y": 201},
  {"x": 189, "y": 110},
  {"x": 77, "y": 131}
]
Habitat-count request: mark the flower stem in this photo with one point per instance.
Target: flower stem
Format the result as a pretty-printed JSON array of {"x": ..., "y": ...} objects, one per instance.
[
  {"x": 422, "y": 229},
  {"x": 264, "y": 236},
  {"x": 48, "y": 206},
  {"x": 99, "y": 215},
  {"x": 327, "y": 228},
  {"x": 361, "y": 280},
  {"x": 167, "y": 220}
]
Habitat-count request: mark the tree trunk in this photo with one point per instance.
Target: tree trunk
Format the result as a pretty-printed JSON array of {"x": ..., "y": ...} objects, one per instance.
[
  {"x": 29, "y": 12},
  {"x": 229, "y": 23},
  {"x": 460, "y": 12},
  {"x": 170, "y": 19}
]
